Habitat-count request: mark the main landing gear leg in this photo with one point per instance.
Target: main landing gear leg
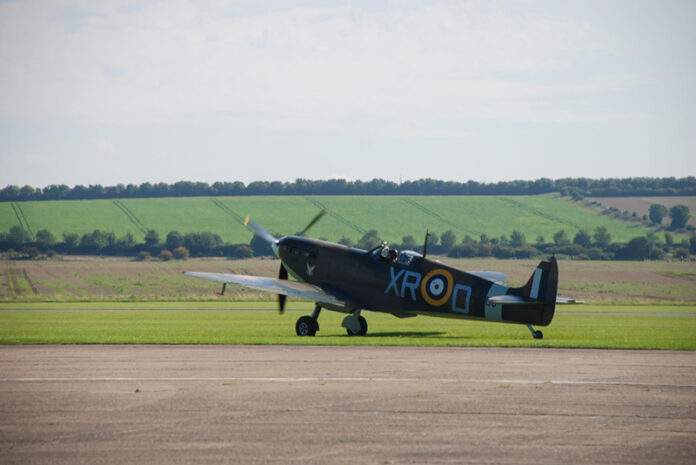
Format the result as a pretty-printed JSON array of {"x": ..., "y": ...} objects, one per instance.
[
  {"x": 536, "y": 334},
  {"x": 308, "y": 325},
  {"x": 316, "y": 312},
  {"x": 355, "y": 324}
]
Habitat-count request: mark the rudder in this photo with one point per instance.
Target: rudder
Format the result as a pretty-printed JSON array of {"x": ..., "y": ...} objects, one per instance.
[{"x": 542, "y": 288}]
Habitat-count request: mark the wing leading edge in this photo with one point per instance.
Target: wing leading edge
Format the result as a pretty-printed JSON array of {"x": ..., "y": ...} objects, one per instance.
[{"x": 274, "y": 286}]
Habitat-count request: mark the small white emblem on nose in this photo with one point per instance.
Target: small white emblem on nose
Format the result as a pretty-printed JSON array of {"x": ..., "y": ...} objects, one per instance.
[{"x": 310, "y": 269}]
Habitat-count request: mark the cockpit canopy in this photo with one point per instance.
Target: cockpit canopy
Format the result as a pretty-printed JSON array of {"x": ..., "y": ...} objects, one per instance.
[
  {"x": 390, "y": 254},
  {"x": 406, "y": 256}
]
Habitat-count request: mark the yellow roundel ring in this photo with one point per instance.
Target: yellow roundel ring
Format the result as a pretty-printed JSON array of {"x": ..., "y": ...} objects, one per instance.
[{"x": 426, "y": 281}]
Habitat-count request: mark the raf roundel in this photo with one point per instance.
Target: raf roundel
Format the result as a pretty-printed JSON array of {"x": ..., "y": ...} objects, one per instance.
[{"x": 436, "y": 287}]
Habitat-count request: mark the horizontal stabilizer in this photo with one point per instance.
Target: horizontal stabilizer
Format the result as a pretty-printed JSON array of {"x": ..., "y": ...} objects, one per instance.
[
  {"x": 517, "y": 300},
  {"x": 494, "y": 276},
  {"x": 509, "y": 300}
]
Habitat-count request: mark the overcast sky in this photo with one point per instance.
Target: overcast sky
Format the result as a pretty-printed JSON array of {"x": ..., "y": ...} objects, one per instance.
[{"x": 108, "y": 92}]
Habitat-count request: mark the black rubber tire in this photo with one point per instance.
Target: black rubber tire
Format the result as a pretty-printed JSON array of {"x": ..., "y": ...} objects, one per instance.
[
  {"x": 538, "y": 334},
  {"x": 363, "y": 328},
  {"x": 306, "y": 326}
]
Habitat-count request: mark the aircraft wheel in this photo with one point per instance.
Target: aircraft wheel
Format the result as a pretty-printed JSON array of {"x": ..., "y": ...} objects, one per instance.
[
  {"x": 363, "y": 327},
  {"x": 306, "y": 326},
  {"x": 538, "y": 334}
]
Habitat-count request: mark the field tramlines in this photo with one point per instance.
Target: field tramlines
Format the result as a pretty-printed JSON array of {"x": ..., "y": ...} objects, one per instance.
[
  {"x": 437, "y": 216},
  {"x": 336, "y": 215},
  {"x": 22, "y": 219},
  {"x": 351, "y": 216},
  {"x": 131, "y": 217},
  {"x": 228, "y": 210}
]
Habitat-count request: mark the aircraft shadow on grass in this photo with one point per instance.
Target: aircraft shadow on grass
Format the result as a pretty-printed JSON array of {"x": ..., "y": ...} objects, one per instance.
[{"x": 406, "y": 334}]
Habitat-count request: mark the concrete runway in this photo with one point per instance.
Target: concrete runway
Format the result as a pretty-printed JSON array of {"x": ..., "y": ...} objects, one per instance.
[{"x": 339, "y": 405}]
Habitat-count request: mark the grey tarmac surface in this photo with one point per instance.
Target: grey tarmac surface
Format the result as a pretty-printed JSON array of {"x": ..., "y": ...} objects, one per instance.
[{"x": 339, "y": 405}]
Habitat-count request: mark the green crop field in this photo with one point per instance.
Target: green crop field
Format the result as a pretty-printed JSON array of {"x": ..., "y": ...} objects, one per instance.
[
  {"x": 590, "y": 326},
  {"x": 393, "y": 216}
]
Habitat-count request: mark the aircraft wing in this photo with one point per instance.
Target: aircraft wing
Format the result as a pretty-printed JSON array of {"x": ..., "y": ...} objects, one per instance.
[
  {"x": 274, "y": 286},
  {"x": 518, "y": 300}
]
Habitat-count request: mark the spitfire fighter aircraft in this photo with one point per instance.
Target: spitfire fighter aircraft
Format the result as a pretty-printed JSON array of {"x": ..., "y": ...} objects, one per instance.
[{"x": 404, "y": 284}]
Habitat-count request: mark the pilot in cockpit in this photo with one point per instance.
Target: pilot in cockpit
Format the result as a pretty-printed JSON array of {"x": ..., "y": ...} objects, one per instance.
[{"x": 388, "y": 254}]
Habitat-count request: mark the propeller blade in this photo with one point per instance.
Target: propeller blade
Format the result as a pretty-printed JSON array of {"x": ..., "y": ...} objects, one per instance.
[
  {"x": 313, "y": 222},
  {"x": 260, "y": 231},
  {"x": 282, "y": 274}
]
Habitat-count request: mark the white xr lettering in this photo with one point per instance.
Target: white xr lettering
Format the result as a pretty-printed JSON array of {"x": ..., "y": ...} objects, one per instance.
[{"x": 394, "y": 278}]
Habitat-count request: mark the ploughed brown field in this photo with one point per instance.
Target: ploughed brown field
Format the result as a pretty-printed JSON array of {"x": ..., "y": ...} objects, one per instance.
[
  {"x": 120, "y": 279},
  {"x": 641, "y": 205}
]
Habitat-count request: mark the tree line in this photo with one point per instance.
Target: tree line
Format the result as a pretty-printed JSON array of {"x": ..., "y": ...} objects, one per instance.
[
  {"x": 574, "y": 187},
  {"x": 679, "y": 215},
  {"x": 585, "y": 245},
  {"x": 175, "y": 245}
]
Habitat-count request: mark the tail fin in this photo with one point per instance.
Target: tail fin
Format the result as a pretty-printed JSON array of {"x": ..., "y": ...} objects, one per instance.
[
  {"x": 543, "y": 284},
  {"x": 542, "y": 288}
]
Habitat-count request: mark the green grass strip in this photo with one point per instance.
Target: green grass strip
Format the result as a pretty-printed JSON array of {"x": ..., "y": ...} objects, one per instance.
[{"x": 592, "y": 326}]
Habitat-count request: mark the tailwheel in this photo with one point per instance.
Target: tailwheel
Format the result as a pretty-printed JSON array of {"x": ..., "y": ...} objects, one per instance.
[
  {"x": 306, "y": 326},
  {"x": 363, "y": 328},
  {"x": 536, "y": 334}
]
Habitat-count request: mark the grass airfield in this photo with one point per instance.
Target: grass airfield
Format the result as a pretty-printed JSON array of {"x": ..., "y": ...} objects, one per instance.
[
  {"x": 91, "y": 300},
  {"x": 574, "y": 326}
]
